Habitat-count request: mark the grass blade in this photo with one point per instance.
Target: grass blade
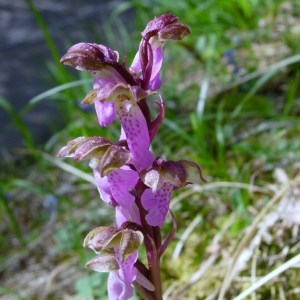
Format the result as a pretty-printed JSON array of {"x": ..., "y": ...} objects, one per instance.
[
  {"x": 18, "y": 121},
  {"x": 37, "y": 99},
  {"x": 287, "y": 265}
]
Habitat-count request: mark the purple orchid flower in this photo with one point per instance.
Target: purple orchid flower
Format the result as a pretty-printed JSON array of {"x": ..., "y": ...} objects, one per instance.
[
  {"x": 123, "y": 101},
  {"x": 115, "y": 189},
  {"x": 117, "y": 253},
  {"x": 162, "y": 179},
  {"x": 155, "y": 50},
  {"x": 119, "y": 289},
  {"x": 157, "y": 204},
  {"x": 119, "y": 283},
  {"x": 128, "y": 176},
  {"x": 149, "y": 58},
  {"x": 113, "y": 96}
]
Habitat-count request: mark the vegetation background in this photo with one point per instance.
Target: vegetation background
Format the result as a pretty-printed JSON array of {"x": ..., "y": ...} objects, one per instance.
[{"x": 232, "y": 95}]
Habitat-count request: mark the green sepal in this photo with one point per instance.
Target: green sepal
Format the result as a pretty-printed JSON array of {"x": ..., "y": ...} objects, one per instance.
[
  {"x": 130, "y": 242},
  {"x": 113, "y": 158},
  {"x": 104, "y": 262},
  {"x": 90, "y": 98},
  {"x": 85, "y": 147},
  {"x": 101, "y": 238}
]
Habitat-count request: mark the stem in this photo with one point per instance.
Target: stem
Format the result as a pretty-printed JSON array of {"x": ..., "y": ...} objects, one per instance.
[
  {"x": 140, "y": 187},
  {"x": 170, "y": 237},
  {"x": 145, "y": 109},
  {"x": 152, "y": 242},
  {"x": 144, "y": 293},
  {"x": 157, "y": 237},
  {"x": 154, "y": 269}
]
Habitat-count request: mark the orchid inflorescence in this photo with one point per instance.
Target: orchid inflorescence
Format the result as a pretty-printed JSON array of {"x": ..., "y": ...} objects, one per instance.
[{"x": 128, "y": 176}]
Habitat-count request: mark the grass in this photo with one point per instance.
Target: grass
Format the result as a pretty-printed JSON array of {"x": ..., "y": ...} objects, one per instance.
[{"x": 232, "y": 96}]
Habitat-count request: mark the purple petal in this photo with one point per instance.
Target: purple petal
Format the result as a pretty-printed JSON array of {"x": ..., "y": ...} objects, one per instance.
[
  {"x": 117, "y": 288},
  {"x": 136, "y": 63},
  {"x": 137, "y": 135},
  {"x": 145, "y": 282},
  {"x": 104, "y": 188},
  {"x": 127, "y": 271},
  {"x": 157, "y": 50},
  {"x": 107, "y": 76},
  {"x": 104, "y": 81},
  {"x": 154, "y": 56},
  {"x": 121, "y": 183},
  {"x": 155, "y": 83},
  {"x": 105, "y": 112},
  {"x": 155, "y": 124},
  {"x": 157, "y": 204},
  {"x": 124, "y": 214},
  {"x": 120, "y": 283}
]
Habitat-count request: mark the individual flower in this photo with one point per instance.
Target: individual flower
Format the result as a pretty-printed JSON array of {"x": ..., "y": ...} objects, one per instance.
[
  {"x": 162, "y": 179},
  {"x": 115, "y": 180},
  {"x": 115, "y": 93},
  {"x": 116, "y": 188},
  {"x": 148, "y": 60},
  {"x": 117, "y": 253},
  {"x": 110, "y": 156},
  {"x": 124, "y": 99},
  {"x": 102, "y": 63}
]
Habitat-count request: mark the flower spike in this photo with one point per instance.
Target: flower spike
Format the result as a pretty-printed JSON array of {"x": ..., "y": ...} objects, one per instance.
[{"x": 129, "y": 178}]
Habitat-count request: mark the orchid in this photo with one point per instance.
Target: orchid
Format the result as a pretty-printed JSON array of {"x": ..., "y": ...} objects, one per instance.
[
  {"x": 129, "y": 178},
  {"x": 149, "y": 58},
  {"x": 117, "y": 254}
]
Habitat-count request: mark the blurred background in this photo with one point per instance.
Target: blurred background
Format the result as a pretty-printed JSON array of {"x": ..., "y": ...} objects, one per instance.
[{"x": 232, "y": 94}]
